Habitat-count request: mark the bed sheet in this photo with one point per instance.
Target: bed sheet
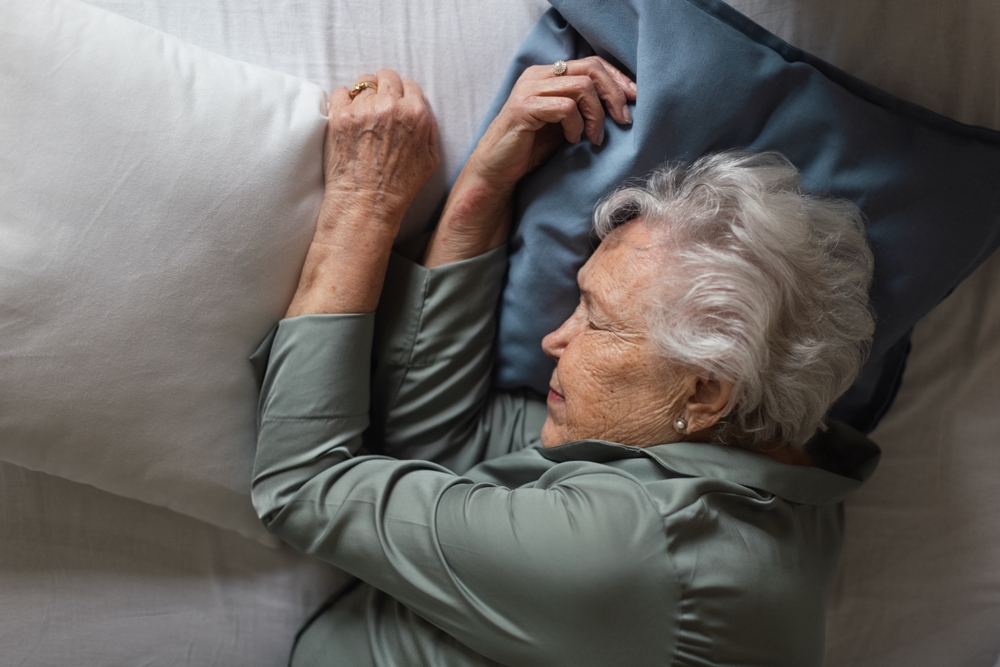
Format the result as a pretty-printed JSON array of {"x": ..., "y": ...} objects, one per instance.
[
  {"x": 97, "y": 580},
  {"x": 918, "y": 583},
  {"x": 90, "y": 578}
]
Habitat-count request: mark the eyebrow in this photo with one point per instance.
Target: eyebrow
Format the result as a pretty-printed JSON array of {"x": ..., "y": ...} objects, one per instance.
[{"x": 591, "y": 300}]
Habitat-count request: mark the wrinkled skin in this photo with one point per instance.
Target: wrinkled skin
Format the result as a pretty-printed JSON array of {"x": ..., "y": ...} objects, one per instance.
[
  {"x": 542, "y": 113},
  {"x": 610, "y": 382},
  {"x": 380, "y": 149}
]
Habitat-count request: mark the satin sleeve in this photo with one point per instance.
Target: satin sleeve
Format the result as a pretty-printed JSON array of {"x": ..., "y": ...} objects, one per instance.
[
  {"x": 433, "y": 356},
  {"x": 516, "y": 574}
]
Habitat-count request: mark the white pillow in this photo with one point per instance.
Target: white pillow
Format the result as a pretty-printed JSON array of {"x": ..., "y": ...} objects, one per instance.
[
  {"x": 156, "y": 202},
  {"x": 457, "y": 51}
]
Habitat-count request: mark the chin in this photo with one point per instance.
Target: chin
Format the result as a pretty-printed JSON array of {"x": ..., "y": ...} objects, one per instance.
[{"x": 551, "y": 436}]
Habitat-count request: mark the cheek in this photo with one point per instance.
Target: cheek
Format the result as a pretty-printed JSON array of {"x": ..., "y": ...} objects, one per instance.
[
  {"x": 598, "y": 379},
  {"x": 585, "y": 367},
  {"x": 616, "y": 391}
]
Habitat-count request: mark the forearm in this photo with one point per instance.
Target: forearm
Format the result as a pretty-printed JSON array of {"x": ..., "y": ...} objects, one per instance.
[
  {"x": 313, "y": 404},
  {"x": 544, "y": 110},
  {"x": 380, "y": 149},
  {"x": 476, "y": 219},
  {"x": 431, "y": 393},
  {"x": 346, "y": 262}
]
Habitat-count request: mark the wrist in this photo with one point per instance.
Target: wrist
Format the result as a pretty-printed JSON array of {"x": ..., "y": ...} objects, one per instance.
[
  {"x": 474, "y": 190},
  {"x": 484, "y": 177},
  {"x": 344, "y": 214},
  {"x": 345, "y": 264},
  {"x": 476, "y": 219}
]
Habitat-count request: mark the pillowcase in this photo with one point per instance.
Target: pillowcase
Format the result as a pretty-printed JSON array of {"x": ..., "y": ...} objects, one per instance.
[
  {"x": 457, "y": 52},
  {"x": 156, "y": 203},
  {"x": 710, "y": 79}
]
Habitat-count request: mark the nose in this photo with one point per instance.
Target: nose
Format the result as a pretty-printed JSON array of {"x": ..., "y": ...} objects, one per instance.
[{"x": 555, "y": 343}]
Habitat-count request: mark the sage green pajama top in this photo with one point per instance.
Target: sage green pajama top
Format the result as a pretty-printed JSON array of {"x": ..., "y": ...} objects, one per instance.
[{"x": 384, "y": 451}]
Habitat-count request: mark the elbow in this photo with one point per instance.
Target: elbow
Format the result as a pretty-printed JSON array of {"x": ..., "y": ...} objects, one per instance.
[
  {"x": 269, "y": 498},
  {"x": 265, "y": 509}
]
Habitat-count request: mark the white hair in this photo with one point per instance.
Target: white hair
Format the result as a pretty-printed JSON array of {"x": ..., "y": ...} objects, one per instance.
[{"x": 764, "y": 286}]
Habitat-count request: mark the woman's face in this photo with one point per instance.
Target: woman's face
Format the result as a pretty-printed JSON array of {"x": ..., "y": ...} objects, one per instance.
[{"x": 609, "y": 383}]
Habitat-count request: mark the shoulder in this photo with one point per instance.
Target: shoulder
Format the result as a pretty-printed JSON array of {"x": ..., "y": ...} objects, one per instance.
[{"x": 755, "y": 570}]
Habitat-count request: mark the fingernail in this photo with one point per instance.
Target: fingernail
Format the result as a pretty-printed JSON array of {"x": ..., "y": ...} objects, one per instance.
[
  {"x": 631, "y": 84},
  {"x": 627, "y": 114},
  {"x": 600, "y": 138}
]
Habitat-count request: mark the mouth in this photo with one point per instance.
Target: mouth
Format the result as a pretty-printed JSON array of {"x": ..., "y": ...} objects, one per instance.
[{"x": 555, "y": 396}]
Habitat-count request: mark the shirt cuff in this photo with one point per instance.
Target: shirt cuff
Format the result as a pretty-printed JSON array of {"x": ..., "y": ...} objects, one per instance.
[
  {"x": 427, "y": 315},
  {"x": 317, "y": 367}
]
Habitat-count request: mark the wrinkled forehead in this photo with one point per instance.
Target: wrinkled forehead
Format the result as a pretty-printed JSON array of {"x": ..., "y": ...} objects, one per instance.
[{"x": 626, "y": 263}]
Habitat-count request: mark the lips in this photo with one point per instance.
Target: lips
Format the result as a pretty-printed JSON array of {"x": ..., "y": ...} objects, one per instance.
[{"x": 555, "y": 395}]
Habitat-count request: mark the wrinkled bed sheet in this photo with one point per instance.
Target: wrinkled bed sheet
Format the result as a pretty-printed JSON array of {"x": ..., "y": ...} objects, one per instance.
[
  {"x": 97, "y": 580},
  {"x": 94, "y": 579}
]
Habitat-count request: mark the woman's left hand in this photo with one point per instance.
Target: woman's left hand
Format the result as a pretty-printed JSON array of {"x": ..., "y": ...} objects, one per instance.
[{"x": 543, "y": 111}]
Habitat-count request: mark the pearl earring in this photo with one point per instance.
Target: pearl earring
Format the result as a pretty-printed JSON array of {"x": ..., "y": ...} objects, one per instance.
[{"x": 681, "y": 424}]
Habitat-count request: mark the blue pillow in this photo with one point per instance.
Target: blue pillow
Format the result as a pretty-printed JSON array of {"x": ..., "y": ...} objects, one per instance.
[{"x": 710, "y": 79}]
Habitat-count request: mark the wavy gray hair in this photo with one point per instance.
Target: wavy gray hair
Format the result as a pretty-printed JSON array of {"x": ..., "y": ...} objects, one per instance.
[{"x": 766, "y": 287}]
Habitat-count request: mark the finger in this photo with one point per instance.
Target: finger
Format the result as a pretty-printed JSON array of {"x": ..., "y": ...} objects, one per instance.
[
  {"x": 435, "y": 141},
  {"x": 627, "y": 85},
  {"x": 367, "y": 92},
  {"x": 412, "y": 89},
  {"x": 340, "y": 98},
  {"x": 608, "y": 88},
  {"x": 562, "y": 110},
  {"x": 574, "y": 67},
  {"x": 573, "y": 127},
  {"x": 537, "y": 72},
  {"x": 584, "y": 92},
  {"x": 389, "y": 83}
]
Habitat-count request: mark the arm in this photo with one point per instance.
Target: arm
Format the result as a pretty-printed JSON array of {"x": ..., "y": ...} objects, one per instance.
[
  {"x": 515, "y": 574},
  {"x": 518, "y": 575},
  {"x": 380, "y": 149},
  {"x": 542, "y": 112},
  {"x": 431, "y": 386},
  {"x": 431, "y": 393}
]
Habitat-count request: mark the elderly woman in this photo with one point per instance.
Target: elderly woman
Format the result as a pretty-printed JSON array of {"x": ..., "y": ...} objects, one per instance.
[{"x": 659, "y": 507}]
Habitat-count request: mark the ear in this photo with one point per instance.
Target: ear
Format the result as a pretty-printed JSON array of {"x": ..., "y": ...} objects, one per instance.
[{"x": 706, "y": 402}]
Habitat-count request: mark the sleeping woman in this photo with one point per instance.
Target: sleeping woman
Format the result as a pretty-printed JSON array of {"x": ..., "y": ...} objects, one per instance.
[{"x": 674, "y": 500}]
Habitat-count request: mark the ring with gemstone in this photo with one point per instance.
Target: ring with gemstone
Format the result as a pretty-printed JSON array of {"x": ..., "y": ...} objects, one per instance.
[
  {"x": 559, "y": 67},
  {"x": 358, "y": 87}
]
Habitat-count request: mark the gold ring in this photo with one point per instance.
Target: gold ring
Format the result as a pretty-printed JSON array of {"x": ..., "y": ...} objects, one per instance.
[
  {"x": 559, "y": 67},
  {"x": 358, "y": 87}
]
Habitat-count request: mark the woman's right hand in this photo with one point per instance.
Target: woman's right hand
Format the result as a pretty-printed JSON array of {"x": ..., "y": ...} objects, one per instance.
[
  {"x": 543, "y": 110},
  {"x": 381, "y": 147}
]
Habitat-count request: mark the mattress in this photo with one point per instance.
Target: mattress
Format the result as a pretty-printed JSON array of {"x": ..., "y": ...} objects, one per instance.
[{"x": 90, "y": 578}]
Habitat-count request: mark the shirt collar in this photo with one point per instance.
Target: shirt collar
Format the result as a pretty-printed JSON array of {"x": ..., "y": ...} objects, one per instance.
[{"x": 843, "y": 459}]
